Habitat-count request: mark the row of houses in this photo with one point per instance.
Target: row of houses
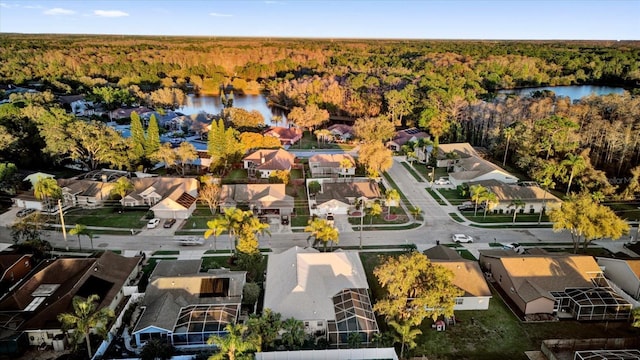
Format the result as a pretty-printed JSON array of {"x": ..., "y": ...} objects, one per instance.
[{"x": 329, "y": 292}]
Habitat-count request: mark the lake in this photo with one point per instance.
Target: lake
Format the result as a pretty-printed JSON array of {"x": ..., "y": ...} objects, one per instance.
[
  {"x": 213, "y": 105},
  {"x": 574, "y": 92}
]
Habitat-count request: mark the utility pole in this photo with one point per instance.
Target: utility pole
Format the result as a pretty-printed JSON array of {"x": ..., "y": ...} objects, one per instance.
[
  {"x": 64, "y": 230},
  {"x": 361, "y": 217}
]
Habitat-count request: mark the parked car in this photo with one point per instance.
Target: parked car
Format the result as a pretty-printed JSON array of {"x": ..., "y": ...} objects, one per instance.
[
  {"x": 442, "y": 181},
  {"x": 169, "y": 223},
  {"x": 190, "y": 241},
  {"x": 470, "y": 207},
  {"x": 153, "y": 223},
  {"x": 461, "y": 238},
  {"x": 330, "y": 219},
  {"x": 25, "y": 212},
  {"x": 514, "y": 246}
]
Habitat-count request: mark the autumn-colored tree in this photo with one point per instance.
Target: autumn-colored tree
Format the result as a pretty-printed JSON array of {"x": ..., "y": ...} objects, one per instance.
[
  {"x": 587, "y": 220},
  {"x": 308, "y": 117},
  {"x": 242, "y": 118},
  {"x": 209, "y": 194},
  {"x": 165, "y": 154},
  {"x": 322, "y": 231},
  {"x": 391, "y": 198},
  {"x": 376, "y": 158},
  {"x": 374, "y": 130},
  {"x": 185, "y": 155},
  {"x": 415, "y": 289},
  {"x": 281, "y": 176}
]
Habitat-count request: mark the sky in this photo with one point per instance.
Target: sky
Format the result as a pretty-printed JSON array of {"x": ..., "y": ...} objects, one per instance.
[{"x": 402, "y": 19}]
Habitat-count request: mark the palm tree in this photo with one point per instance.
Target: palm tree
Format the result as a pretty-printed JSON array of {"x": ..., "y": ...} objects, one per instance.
[
  {"x": 415, "y": 211},
  {"x": 544, "y": 176},
  {"x": 321, "y": 230},
  {"x": 121, "y": 187},
  {"x": 78, "y": 230},
  {"x": 346, "y": 164},
  {"x": 234, "y": 343},
  {"x": 265, "y": 328},
  {"x": 86, "y": 317},
  {"x": 293, "y": 336},
  {"x": 323, "y": 134},
  {"x": 478, "y": 194},
  {"x": 374, "y": 210},
  {"x": 391, "y": 196},
  {"x": 405, "y": 335},
  {"x": 354, "y": 339},
  {"x": 216, "y": 227},
  {"x": 508, "y": 134},
  {"x": 157, "y": 349},
  {"x": 47, "y": 189},
  {"x": 575, "y": 164},
  {"x": 490, "y": 200},
  {"x": 240, "y": 225},
  {"x": 516, "y": 204}
]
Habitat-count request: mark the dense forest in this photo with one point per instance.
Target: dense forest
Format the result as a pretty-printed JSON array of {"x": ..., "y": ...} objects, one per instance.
[{"x": 445, "y": 87}]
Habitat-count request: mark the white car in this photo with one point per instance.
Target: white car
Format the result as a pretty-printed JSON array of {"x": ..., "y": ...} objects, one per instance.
[
  {"x": 442, "y": 181},
  {"x": 461, "y": 238},
  {"x": 153, "y": 223},
  {"x": 190, "y": 241},
  {"x": 515, "y": 247}
]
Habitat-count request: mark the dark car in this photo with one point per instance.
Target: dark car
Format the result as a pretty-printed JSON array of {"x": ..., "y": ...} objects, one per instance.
[
  {"x": 284, "y": 220},
  {"x": 169, "y": 223},
  {"x": 25, "y": 212},
  {"x": 470, "y": 207}
]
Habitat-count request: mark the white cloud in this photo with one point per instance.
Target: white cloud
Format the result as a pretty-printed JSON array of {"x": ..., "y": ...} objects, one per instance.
[
  {"x": 220, "y": 15},
  {"x": 110, "y": 13},
  {"x": 59, "y": 11}
]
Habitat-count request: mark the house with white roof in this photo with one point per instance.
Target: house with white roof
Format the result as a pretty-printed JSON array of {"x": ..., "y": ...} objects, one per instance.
[
  {"x": 464, "y": 165},
  {"x": 327, "y": 291}
]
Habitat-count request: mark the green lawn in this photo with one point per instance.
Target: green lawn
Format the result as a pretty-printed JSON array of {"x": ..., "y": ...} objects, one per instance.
[
  {"x": 106, "y": 217},
  {"x": 626, "y": 210},
  {"x": 455, "y": 217},
  {"x": 435, "y": 196},
  {"x": 498, "y": 218},
  {"x": 426, "y": 172},
  {"x": 453, "y": 196},
  {"x": 200, "y": 216},
  {"x": 412, "y": 171},
  {"x": 236, "y": 176},
  {"x": 492, "y": 334},
  {"x": 400, "y": 218}
]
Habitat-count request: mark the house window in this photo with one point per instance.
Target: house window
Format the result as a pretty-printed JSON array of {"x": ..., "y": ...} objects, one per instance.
[{"x": 459, "y": 301}]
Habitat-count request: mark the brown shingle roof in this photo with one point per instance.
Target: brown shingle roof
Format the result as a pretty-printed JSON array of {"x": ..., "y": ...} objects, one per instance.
[
  {"x": 73, "y": 276},
  {"x": 467, "y": 276},
  {"x": 277, "y": 159},
  {"x": 508, "y": 192},
  {"x": 634, "y": 265},
  {"x": 341, "y": 191}
]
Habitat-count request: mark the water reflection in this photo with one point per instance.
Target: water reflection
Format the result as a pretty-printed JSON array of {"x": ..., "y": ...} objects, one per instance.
[
  {"x": 574, "y": 92},
  {"x": 213, "y": 105}
]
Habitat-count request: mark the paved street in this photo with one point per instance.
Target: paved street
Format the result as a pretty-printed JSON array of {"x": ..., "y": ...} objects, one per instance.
[{"x": 438, "y": 226}]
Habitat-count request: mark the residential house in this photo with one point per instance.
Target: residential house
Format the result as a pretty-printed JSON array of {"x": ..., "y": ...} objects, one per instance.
[
  {"x": 169, "y": 198},
  {"x": 402, "y": 137},
  {"x": 269, "y": 201},
  {"x": 534, "y": 197},
  {"x": 32, "y": 308},
  {"x": 125, "y": 113},
  {"x": 562, "y": 285},
  {"x": 327, "y": 291},
  {"x": 35, "y": 177},
  {"x": 263, "y": 162},
  {"x": 197, "y": 123},
  {"x": 338, "y": 196},
  {"x": 85, "y": 193},
  {"x": 625, "y": 273},
  {"x": 287, "y": 136},
  {"x": 467, "y": 276},
  {"x": 330, "y": 165},
  {"x": 341, "y": 132},
  {"x": 78, "y": 105},
  {"x": 13, "y": 268},
  {"x": 465, "y": 165},
  {"x": 185, "y": 307}
]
